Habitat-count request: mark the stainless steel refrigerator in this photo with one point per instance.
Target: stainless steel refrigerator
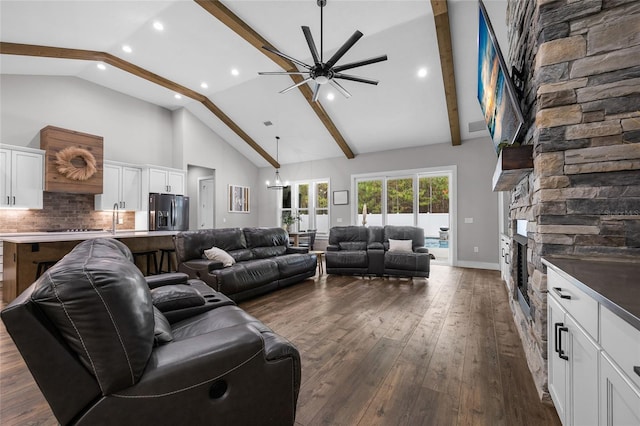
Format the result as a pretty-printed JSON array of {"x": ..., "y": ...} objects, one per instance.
[{"x": 168, "y": 212}]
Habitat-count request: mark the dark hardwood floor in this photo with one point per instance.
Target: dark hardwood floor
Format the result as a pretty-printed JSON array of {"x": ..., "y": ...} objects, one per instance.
[{"x": 442, "y": 351}]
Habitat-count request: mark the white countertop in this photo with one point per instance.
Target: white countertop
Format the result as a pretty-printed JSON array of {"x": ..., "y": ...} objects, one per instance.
[{"x": 51, "y": 237}]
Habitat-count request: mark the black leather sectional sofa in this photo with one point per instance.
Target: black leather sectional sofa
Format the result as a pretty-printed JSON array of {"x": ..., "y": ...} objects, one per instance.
[
  {"x": 108, "y": 347},
  {"x": 359, "y": 250},
  {"x": 264, "y": 261}
]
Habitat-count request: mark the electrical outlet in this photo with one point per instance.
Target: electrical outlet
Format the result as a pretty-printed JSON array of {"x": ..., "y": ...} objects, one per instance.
[
  {"x": 120, "y": 220},
  {"x": 339, "y": 220},
  {"x": 475, "y": 249},
  {"x": 468, "y": 220}
]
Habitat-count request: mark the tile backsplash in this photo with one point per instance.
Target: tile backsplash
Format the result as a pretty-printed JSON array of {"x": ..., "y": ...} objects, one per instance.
[{"x": 62, "y": 211}]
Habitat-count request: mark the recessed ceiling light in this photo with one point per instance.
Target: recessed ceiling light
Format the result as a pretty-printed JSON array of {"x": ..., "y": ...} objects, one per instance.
[
  {"x": 101, "y": 66},
  {"x": 158, "y": 25},
  {"x": 204, "y": 85},
  {"x": 422, "y": 72},
  {"x": 127, "y": 48},
  {"x": 177, "y": 96},
  {"x": 330, "y": 96},
  {"x": 235, "y": 72}
]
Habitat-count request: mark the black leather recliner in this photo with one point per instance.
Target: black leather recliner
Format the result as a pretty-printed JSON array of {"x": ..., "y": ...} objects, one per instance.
[
  {"x": 103, "y": 354},
  {"x": 359, "y": 250}
]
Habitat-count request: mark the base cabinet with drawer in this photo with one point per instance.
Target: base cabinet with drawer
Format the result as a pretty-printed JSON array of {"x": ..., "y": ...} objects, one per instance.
[
  {"x": 593, "y": 357},
  {"x": 573, "y": 360}
]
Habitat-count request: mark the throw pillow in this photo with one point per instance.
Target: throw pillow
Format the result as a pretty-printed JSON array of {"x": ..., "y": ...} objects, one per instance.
[
  {"x": 215, "y": 253},
  {"x": 401, "y": 245}
]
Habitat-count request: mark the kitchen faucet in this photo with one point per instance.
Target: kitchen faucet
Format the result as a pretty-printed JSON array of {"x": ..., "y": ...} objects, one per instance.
[{"x": 114, "y": 218}]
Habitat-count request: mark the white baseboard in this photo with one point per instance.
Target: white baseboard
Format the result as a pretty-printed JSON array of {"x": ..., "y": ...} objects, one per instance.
[{"x": 478, "y": 265}]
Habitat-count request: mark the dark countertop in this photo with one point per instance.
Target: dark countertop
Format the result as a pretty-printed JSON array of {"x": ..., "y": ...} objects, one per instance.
[{"x": 616, "y": 285}]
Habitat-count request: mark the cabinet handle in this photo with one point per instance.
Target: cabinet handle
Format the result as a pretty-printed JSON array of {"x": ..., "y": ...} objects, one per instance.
[
  {"x": 14, "y": 200},
  {"x": 8, "y": 200},
  {"x": 124, "y": 204},
  {"x": 502, "y": 251},
  {"x": 558, "y": 290},
  {"x": 561, "y": 352},
  {"x": 636, "y": 369},
  {"x": 506, "y": 260},
  {"x": 556, "y": 335},
  {"x": 169, "y": 188}
]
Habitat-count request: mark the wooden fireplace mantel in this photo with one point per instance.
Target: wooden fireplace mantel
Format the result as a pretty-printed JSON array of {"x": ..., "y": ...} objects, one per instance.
[{"x": 514, "y": 162}]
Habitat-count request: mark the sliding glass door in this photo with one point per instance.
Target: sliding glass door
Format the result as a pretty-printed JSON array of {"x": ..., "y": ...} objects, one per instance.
[{"x": 417, "y": 198}]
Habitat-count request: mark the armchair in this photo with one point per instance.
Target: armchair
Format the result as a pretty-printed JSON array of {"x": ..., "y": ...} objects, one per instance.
[{"x": 103, "y": 354}]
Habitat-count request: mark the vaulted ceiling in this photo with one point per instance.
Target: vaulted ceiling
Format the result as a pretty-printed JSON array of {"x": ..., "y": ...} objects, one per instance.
[{"x": 204, "y": 40}]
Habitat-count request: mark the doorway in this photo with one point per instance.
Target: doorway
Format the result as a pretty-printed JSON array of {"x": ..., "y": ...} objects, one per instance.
[{"x": 206, "y": 202}]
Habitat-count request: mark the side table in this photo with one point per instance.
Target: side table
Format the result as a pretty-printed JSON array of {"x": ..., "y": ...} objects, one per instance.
[{"x": 320, "y": 255}]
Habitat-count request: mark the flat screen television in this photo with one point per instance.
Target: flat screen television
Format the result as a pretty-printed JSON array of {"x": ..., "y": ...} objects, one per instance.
[{"x": 496, "y": 92}]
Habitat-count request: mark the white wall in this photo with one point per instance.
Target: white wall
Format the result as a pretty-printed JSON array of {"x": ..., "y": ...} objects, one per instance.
[
  {"x": 205, "y": 148},
  {"x": 134, "y": 131},
  {"x": 475, "y": 160}
]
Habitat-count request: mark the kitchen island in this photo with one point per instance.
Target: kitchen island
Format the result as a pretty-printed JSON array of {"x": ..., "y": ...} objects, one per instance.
[{"x": 23, "y": 251}]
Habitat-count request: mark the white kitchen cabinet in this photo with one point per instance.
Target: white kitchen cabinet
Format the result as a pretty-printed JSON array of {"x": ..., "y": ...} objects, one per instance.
[
  {"x": 166, "y": 181},
  {"x": 21, "y": 177},
  {"x": 573, "y": 363},
  {"x": 620, "y": 400},
  {"x": 505, "y": 258},
  {"x": 122, "y": 185}
]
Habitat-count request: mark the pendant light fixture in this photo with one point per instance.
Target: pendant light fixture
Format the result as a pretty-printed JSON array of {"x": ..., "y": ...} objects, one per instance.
[{"x": 278, "y": 183}]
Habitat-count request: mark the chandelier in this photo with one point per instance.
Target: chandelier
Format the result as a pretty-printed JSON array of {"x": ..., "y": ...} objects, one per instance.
[{"x": 278, "y": 183}]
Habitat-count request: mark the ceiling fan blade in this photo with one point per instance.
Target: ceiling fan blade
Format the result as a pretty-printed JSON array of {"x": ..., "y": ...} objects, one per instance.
[
  {"x": 295, "y": 85},
  {"x": 343, "y": 49},
  {"x": 354, "y": 78},
  {"x": 360, "y": 63},
  {"x": 283, "y": 73},
  {"x": 340, "y": 89},
  {"x": 312, "y": 45},
  {"x": 282, "y": 55},
  {"x": 316, "y": 93}
]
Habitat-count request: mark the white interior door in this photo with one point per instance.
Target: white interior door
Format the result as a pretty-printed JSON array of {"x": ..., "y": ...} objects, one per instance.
[{"x": 206, "y": 203}]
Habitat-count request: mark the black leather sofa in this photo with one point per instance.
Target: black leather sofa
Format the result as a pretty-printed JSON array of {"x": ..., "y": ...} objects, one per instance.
[
  {"x": 264, "y": 260},
  {"x": 103, "y": 353},
  {"x": 359, "y": 250}
]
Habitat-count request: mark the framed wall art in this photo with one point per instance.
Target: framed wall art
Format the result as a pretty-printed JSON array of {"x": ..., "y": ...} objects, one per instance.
[{"x": 239, "y": 199}]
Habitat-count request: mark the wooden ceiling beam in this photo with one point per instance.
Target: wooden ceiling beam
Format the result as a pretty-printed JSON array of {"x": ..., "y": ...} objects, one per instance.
[
  {"x": 107, "y": 58},
  {"x": 231, "y": 20},
  {"x": 443, "y": 33}
]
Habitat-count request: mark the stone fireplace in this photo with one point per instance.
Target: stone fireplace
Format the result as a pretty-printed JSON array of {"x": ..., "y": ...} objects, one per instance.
[{"x": 579, "y": 64}]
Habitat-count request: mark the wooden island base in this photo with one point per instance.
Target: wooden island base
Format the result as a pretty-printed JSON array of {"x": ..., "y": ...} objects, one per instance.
[{"x": 21, "y": 259}]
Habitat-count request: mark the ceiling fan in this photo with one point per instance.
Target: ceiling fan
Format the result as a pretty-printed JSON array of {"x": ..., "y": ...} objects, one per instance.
[{"x": 325, "y": 72}]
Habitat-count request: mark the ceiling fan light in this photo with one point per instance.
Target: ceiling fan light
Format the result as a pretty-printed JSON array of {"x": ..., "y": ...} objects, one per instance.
[{"x": 321, "y": 79}]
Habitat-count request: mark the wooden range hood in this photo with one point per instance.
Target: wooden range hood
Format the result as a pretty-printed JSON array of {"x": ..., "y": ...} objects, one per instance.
[{"x": 54, "y": 140}]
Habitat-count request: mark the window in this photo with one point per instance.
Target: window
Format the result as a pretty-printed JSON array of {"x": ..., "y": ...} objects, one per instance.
[
  {"x": 369, "y": 193},
  {"x": 309, "y": 200},
  {"x": 400, "y": 201},
  {"x": 421, "y": 199}
]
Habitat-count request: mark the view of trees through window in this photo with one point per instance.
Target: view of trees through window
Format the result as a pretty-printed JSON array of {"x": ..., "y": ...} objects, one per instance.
[
  {"x": 418, "y": 200},
  {"x": 434, "y": 194}
]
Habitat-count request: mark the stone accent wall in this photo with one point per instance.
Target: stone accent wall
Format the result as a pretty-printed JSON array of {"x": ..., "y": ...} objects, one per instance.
[
  {"x": 62, "y": 211},
  {"x": 580, "y": 66}
]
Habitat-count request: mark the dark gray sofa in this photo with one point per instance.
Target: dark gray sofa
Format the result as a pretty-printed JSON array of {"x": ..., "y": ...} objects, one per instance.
[
  {"x": 264, "y": 260},
  {"x": 359, "y": 250},
  {"x": 103, "y": 353}
]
